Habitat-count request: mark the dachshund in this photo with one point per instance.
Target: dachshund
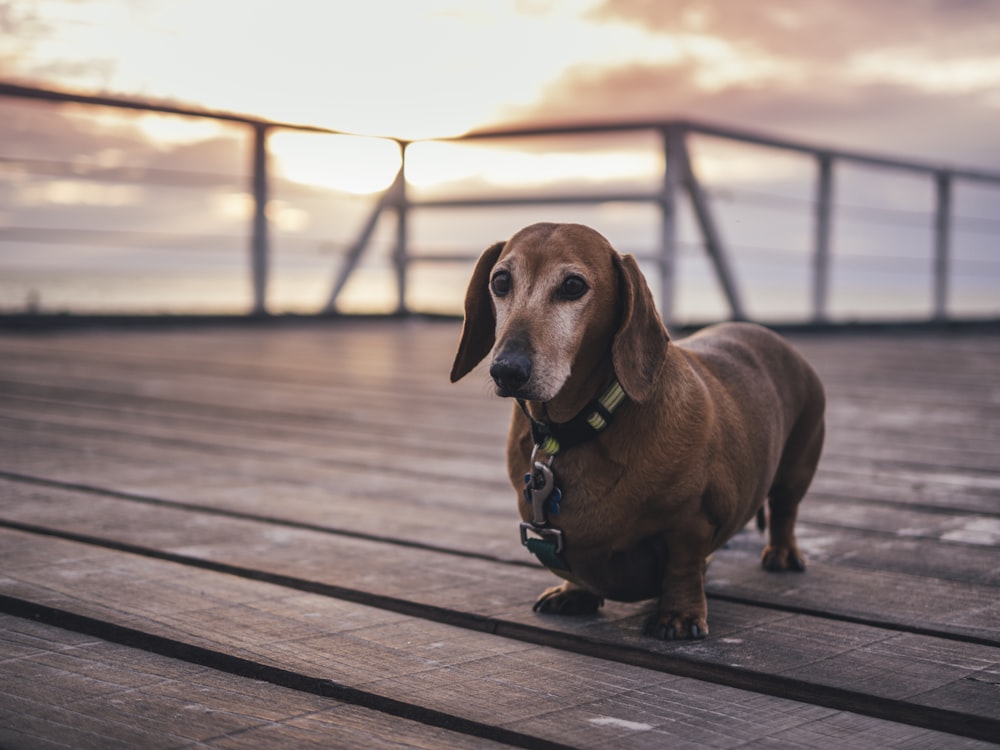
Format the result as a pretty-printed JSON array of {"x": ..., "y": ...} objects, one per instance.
[{"x": 635, "y": 456}]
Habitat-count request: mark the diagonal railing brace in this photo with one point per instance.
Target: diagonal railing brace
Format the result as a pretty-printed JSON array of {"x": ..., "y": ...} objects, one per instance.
[
  {"x": 710, "y": 233},
  {"x": 390, "y": 198}
]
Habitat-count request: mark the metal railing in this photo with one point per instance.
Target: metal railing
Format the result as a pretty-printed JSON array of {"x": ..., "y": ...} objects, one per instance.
[{"x": 679, "y": 177}]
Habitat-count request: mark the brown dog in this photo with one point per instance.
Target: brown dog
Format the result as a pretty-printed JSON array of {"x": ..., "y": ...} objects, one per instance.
[{"x": 627, "y": 491}]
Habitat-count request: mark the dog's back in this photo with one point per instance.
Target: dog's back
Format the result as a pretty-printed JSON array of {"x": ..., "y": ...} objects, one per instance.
[{"x": 745, "y": 358}]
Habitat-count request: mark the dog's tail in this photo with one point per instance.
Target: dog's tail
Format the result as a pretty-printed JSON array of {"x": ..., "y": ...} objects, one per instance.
[{"x": 761, "y": 519}]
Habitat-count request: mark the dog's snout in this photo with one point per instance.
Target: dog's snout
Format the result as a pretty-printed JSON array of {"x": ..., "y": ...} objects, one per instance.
[{"x": 511, "y": 371}]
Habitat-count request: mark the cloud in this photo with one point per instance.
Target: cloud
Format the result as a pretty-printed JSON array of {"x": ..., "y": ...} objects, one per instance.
[
  {"x": 827, "y": 30},
  {"x": 917, "y": 79},
  {"x": 19, "y": 19},
  {"x": 19, "y": 26},
  {"x": 874, "y": 117},
  {"x": 83, "y": 139}
]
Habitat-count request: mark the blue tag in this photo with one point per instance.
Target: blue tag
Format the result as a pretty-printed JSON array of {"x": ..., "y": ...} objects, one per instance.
[{"x": 552, "y": 504}]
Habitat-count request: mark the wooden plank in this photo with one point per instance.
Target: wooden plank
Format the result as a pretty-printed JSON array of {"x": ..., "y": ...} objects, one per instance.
[
  {"x": 860, "y": 451},
  {"x": 782, "y": 644},
  {"x": 878, "y": 597},
  {"x": 907, "y": 471},
  {"x": 841, "y": 546},
  {"x": 476, "y": 677},
  {"x": 62, "y": 689},
  {"x": 391, "y": 351},
  {"x": 409, "y": 360},
  {"x": 344, "y": 354},
  {"x": 951, "y": 490},
  {"x": 902, "y": 485},
  {"x": 416, "y": 452},
  {"x": 928, "y": 523}
]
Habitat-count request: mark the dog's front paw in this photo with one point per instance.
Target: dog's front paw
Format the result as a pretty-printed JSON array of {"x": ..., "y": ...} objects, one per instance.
[
  {"x": 567, "y": 600},
  {"x": 780, "y": 559},
  {"x": 675, "y": 626}
]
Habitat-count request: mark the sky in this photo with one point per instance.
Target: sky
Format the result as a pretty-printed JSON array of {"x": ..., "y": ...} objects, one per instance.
[
  {"x": 919, "y": 76},
  {"x": 911, "y": 78}
]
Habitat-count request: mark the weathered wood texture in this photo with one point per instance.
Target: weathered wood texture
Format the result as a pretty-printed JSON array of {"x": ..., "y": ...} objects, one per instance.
[{"x": 303, "y": 535}]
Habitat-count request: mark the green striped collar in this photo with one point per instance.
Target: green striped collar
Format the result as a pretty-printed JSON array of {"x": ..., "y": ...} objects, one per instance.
[{"x": 551, "y": 437}]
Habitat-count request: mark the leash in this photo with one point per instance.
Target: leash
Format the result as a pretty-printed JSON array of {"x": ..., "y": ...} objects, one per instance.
[{"x": 541, "y": 490}]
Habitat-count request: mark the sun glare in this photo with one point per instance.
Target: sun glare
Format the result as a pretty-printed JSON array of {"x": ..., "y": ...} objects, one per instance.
[
  {"x": 435, "y": 163},
  {"x": 173, "y": 130},
  {"x": 351, "y": 164}
]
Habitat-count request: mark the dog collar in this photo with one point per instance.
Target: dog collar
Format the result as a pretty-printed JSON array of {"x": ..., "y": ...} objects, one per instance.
[{"x": 551, "y": 437}]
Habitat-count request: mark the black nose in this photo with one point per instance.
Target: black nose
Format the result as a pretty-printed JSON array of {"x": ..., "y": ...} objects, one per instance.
[{"x": 510, "y": 371}]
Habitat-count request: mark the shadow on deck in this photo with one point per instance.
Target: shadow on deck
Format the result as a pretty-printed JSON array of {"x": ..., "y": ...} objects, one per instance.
[{"x": 303, "y": 536}]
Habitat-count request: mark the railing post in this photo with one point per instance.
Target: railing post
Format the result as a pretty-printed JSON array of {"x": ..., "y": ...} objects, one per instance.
[
  {"x": 401, "y": 255},
  {"x": 673, "y": 176},
  {"x": 821, "y": 250},
  {"x": 259, "y": 242},
  {"x": 942, "y": 244}
]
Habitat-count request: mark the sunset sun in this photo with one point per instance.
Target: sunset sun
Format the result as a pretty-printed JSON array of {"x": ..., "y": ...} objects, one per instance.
[{"x": 350, "y": 164}]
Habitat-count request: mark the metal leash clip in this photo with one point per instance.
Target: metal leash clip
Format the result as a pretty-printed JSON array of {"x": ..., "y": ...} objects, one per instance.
[{"x": 538, "y": 488}]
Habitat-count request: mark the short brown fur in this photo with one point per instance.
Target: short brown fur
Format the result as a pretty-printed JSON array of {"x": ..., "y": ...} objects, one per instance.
[{"x": 713, "y": 425}]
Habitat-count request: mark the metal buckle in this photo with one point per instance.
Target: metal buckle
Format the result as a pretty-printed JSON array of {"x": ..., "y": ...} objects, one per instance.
[
  {"x": 534, "y": 455},
  {"x": 542, "y": 531}
]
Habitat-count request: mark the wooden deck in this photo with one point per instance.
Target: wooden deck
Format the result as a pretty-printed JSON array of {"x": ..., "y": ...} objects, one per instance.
[{"x": 302, "y": 536}]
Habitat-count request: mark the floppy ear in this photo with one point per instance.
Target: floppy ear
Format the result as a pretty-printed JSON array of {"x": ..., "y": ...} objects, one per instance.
[
  {"x": 479, "y": 329},
  {"x": 639, "y": 349}
]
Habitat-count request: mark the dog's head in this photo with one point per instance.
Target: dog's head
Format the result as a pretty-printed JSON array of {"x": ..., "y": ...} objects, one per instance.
[{"x": 554, "y": 301}]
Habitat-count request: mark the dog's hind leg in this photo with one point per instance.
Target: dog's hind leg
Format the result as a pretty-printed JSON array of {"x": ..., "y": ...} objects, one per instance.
[
  {"x": 782, "y": 552},
  {"x": 791, "y": 481}
]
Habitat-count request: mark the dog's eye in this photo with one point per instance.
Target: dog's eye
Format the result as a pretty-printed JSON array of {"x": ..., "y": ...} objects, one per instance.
[
  {"x": 573, "y": 287},
  {"x": 500, "y": 283}
]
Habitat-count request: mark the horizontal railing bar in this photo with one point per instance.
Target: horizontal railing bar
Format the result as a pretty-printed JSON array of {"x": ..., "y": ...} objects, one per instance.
[
  {"x": 737, "y": 134},
  {"x": 52, "y": 95},
  {"x": 859, "y": 157},
  {"x": 539, "y": 200},
  {"x": 589, "y": 128}
]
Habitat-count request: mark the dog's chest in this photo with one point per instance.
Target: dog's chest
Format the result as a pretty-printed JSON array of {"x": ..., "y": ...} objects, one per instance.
[{"x": 570, "y": 500}]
